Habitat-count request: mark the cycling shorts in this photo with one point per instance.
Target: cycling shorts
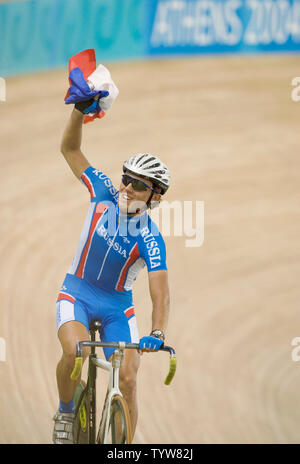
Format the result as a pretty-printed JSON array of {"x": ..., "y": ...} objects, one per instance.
[{"x": 80, "y": 301}]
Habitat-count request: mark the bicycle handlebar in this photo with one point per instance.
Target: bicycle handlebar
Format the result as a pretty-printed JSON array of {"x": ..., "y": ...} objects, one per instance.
[{"x": 79, "y": 359}]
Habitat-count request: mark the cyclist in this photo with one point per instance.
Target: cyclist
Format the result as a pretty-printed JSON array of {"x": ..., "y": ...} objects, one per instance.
[{"x": 117, "y": 240}]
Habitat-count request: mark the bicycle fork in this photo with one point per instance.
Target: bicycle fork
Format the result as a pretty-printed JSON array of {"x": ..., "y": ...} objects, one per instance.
[{"x": 113, "y": 385}]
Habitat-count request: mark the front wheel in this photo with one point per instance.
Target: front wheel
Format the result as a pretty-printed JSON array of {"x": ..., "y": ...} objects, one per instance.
[{"x": 119, "y": 429}]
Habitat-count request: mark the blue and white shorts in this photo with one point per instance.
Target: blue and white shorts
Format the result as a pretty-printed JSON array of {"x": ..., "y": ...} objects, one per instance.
[{"x": 80, "y": 301}]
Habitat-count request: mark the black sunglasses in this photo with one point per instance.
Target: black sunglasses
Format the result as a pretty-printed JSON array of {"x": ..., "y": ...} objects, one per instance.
[{"x": 137, "y": 185}]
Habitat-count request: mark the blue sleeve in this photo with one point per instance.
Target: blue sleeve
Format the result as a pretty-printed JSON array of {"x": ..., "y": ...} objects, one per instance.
[
  {"x": 99, "y": 185},
  {"x": 153, "y": 248}
]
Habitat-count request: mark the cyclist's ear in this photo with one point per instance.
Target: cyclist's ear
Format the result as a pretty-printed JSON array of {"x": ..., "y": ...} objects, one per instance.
[{"x": 156, "y": 197}]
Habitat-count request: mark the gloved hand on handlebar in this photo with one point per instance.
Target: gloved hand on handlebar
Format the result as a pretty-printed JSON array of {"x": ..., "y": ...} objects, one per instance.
[{"x": 150, "y": 343}]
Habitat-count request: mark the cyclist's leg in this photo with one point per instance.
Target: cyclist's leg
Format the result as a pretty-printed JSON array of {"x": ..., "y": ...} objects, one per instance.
[
  {"x": 128, "y": 382},
  {"x": 72, "y": 326},
  {"x": 69, "y": 334}
]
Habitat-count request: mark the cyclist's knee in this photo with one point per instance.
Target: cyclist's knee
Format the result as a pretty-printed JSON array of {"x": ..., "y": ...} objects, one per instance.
[
  {"x": 128, "y": 381},
  {"x": 129, "y": 369},
  {"x": 128, "y": 375},
  {"x": 69, "y": 355},
  {"x": 68, "y": 358},
  {"x": 69, "y": 334}
]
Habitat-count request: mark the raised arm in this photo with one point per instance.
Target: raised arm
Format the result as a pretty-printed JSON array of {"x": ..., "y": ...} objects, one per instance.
[{"x": 71, "y": 143}]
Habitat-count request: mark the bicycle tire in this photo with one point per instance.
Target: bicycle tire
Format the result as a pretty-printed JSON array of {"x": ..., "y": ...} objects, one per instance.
[
  {"x": 118, "y": 409},
  {"x": 81, "y": 425}
]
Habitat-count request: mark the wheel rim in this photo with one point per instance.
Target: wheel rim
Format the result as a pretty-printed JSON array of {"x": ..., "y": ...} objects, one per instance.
[
  {"x": 80, "y": 429},
  {"x": 117, "y": 424}
]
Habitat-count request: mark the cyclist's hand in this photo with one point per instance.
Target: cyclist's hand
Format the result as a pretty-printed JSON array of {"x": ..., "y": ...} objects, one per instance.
[
  {"x": 150, "y": 343},
  {"x": 85, "y": 99}
]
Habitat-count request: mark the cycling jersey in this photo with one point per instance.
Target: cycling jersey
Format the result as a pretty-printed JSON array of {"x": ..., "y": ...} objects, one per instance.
[{"x": 114, "y": 248}]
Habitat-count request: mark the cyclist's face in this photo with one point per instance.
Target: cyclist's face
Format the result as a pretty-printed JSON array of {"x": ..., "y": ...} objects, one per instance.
[{"x": 131, "y": 200}]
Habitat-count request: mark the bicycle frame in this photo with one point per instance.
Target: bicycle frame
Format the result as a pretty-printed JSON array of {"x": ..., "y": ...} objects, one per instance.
[
  {"x": 113, "y": 383},
  {"x": 112, "y": 367}
]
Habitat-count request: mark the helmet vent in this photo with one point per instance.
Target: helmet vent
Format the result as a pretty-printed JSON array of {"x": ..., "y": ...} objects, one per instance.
[
  {"x": 153, "y": 166},
  {"x": 147, "y": 161},
  {"x": 141, "y": 157}
]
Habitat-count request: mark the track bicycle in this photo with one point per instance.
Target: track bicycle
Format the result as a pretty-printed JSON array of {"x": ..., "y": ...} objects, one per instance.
[{"x": 115, "y": 424}]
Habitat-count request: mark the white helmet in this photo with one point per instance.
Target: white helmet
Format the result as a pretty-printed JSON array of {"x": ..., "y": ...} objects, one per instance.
[{"x": 150, "y": 167}]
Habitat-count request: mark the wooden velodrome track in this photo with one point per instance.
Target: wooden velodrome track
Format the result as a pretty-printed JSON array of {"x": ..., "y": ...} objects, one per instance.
[{"x": 229, "y": 131}]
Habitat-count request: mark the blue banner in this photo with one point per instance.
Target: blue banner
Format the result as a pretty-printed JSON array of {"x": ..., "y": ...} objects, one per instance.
[
  {"x": 215, "y": 26},
  {"x": 43, "y": 34}
]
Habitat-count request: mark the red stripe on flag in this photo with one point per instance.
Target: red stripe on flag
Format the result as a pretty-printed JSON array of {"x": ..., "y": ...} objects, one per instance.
[
  {"x": 133, "y": 256},
  {"x": 65, "y": 296},
  {"x": 97, "y": 215}
]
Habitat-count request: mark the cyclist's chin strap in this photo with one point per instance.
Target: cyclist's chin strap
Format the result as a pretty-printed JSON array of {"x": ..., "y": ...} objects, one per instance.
[
  {"x": 149, "y": 200},
  {"x": 152, "y": 204}
]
